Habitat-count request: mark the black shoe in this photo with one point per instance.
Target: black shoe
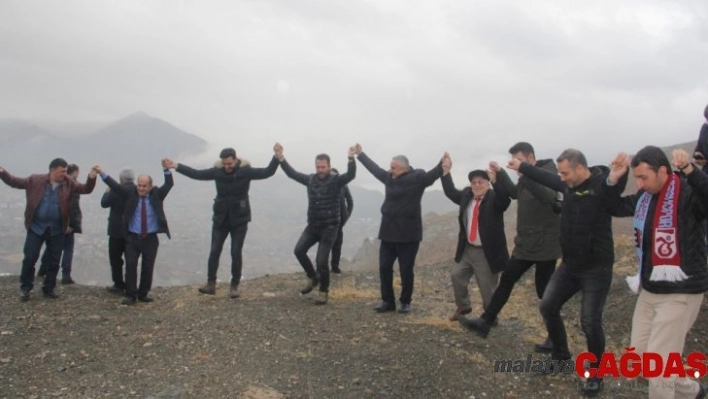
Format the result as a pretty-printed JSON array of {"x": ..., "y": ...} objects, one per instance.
[
  {"x": 66, "y": 280},
  {"x": 322, "y": 298},
  {"x": 336, "y": 270},
  {"x": 24, "y": 295},
  {"x": 405, "y": 308},
  {"x": 702, "y": 391},
  {"x": 114, "y": 289},
  {"x": 592, "y": 387},
  {"x": 146, "y": 299},
  {"x": 311, "y": 284},
  {"x": 129, "y": 300},
  {"x": 50, "y": 294},
  {"x": 385, "y": 307},
  {"x": 478, "y": 326},
  {"x": 544, "y": 347},
  {"x": 233, "y": 292}
]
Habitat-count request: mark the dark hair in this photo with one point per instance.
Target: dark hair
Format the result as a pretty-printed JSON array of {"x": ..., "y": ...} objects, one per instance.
[
  {"x": 322, "y": 157},
  {"x": 654, "y": 157},
  {"x": 523, "y": 147},
  {"x": 57, "y": 163},
  {"x": 574, "y": 157},
  {"x": 227, "y": 153},
  {"x": 72, "y": 168}
]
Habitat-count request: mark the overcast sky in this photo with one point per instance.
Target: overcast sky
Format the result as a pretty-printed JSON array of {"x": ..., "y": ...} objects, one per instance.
[{"x": 398, "y": 76}]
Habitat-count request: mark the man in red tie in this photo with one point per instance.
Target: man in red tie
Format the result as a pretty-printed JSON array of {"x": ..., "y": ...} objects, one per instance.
[
  {"x": 481, "y": 249},
  {"x": 143, "y": 219}
]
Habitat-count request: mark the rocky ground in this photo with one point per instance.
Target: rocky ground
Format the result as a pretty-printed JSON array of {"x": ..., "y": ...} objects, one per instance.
[{"x": 274, "y": 343}]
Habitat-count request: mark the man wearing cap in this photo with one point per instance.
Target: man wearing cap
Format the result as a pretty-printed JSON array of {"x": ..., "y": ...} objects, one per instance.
[{"x": 481, "y": 247}]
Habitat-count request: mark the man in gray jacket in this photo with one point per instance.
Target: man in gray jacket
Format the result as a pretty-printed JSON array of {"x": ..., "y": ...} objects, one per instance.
[{"x": 537, "y": 239}]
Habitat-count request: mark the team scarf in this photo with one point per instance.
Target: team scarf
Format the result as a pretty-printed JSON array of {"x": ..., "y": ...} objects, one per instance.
[{"x": 665, "y": 254}]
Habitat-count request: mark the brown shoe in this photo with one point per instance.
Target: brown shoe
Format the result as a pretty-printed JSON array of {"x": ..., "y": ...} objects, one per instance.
[
  {"x": 459, "y": 312},
  {"x": 209, "y": 289},
  {"x": 233, "y": 293}
]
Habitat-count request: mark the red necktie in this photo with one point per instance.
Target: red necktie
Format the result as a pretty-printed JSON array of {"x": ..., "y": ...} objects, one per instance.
[
  {"x": 475, "y": 219},
  {"x": 143, "y": 218}
]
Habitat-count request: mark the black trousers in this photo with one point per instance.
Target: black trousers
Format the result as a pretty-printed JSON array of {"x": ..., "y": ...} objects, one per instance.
[
  {"x": 218, "y": 238},
  {"x": 406, "y": 253},
  {"x": 116, "y": 250},
  {"x": 337, "y": 248},
  {"x": 515, "y": 268},
  {"x": 594, "y": 285},
  {"x": 32, "y": 249},
  {"x": 324, "y": 236},
  {"x": 145, "y": 248}
]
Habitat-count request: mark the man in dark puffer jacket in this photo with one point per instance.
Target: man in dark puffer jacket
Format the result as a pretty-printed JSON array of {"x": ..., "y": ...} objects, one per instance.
[
  {"x": 323, "y": 217},
  {"x": 672, "y": 255}
]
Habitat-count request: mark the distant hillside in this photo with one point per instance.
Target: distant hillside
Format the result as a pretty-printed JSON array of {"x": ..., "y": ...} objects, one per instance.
[{"x": 137, "y": 140}]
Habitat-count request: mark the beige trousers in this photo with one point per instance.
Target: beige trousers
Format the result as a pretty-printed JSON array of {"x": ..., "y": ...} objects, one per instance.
[{"x": 473, "y": 262}]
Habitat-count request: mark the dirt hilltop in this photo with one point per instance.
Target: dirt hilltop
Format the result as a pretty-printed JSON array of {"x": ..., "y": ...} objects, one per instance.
[{"x": 274, "y": 343}]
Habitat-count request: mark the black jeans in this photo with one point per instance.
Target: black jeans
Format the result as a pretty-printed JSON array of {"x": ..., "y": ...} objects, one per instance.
[
  {"x": 135, "y": 247},
  {"x": 337, "y": 248},
  {"x": 32, "y": 249},
  {"x": 116, "y": 250},
  {"x": 515, "y": 268},
  {"x": 218, "y": 237},
  {"x": 325, "y": 236},
  {"x": 594, "y": 284},
  {"x": 406, "y": 253},
  {"x": 67, "y": 256}
]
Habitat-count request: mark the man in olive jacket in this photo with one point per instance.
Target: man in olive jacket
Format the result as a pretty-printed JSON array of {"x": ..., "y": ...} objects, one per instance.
[
  {"x": 537, "y": 235},
  {"x": 401, "y": 228},
  {"x": 481, "y": 245},
  {"x": 232, "y": 210}
]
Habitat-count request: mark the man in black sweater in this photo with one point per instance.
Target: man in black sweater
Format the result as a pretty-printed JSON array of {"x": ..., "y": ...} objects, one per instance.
[
  {"x": 323, "y": 217},
  {"x": 232, "y": 210}
]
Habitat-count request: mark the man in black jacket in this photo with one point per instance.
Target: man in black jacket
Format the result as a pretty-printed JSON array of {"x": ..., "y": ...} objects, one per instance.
[
  {"x": 587, "y": 248},
  {"x": 481, "y": 245},
  {"x": 323, "y": 217},
  {"x": 232, "y": 210},
  {"x": 346, "y": 205},
  {"x": 75, "y": 218},
  {"x": 401, "y": 228},
  {"x": 116, "y": 230},
  {"x": 143, "y": 219},
  {"x": 669, "y": 225}
]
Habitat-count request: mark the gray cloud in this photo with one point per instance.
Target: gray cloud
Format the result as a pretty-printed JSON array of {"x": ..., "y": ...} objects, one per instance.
[{"x": 417, "y": 78}]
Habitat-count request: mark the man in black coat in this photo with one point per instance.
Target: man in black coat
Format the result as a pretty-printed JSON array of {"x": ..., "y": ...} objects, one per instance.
[
  {"x": 346, "y": 206},
  {"x": 701, "y": 151},
  {"x": 143, "y": 219},
  {"x": 116, "y": 230},
  {"x": 481, "y": 245},
  {"x": 588, "y": 252},
  {"x": 324, "y": 215},
  {"x": 232, "y": 210},
  {"x": 75, "y": 217},
  {"x": 401, "y": 228}
]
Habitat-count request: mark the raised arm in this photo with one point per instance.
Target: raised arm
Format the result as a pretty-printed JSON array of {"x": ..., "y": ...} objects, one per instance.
[
  {"x": 12, "y": 181},
  {"x": 116, "y": 188},
  {"x": 505, "y": 180},
  {"x": 169, "y": 182},
  {"x": 86, "y": 188},
  {"x": 543, "y": 177},
  {"x": 433, "y": 174},
  {"x": 370, "y": 165},
  {"x": 343, "y": 180},
  {"x": 196, "y": 174},
  {"x": 293, "y": 174},
  {"x": 264, "y": 173},
  {"x": 502, "y": 200}
]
